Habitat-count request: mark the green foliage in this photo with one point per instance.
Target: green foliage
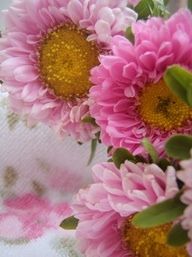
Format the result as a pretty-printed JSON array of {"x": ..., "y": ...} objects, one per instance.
[
  {"x": 129, "y": 35},
  {"x": 93, "y": 150},
  {"x": 160, "y": 213},
  {"x": 140, "y": 158},
  {"x": 190, "y": 4},
  {"x": 177, "y": 236},
  {"x": 121, "y": 155},
  {"x": 166, "y": 2},
  {"x": 150, "y": 150},
  {"x": 69, "y": 223},
  {"x": 146, "y": 8},
  {"x": 179, "y": 80},
  {"x": 179, "y": 147},
  {"x": 163, "y": 164},
  {"x": 90, "y": 120}
]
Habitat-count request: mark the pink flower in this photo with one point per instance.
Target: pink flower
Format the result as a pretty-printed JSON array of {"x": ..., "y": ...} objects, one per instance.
[
  {"x": 116, "y": 195},
  {"x": 47, "y": 52},
  {"x": 29, "y": 217},
  {"x": 130, "y": 100},
  {"x": 185, "y": 175}
]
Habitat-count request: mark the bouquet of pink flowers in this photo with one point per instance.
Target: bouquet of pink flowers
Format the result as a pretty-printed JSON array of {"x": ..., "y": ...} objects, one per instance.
[{"x": 118, "y": 73}]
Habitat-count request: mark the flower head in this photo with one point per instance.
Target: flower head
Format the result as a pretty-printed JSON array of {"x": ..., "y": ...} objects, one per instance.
[
  {"x": 106, "y": 208},
  {"x": 47, "y": 52},
  {"x": 185, "y": 175},
  {"x": 130, "y": 100}
]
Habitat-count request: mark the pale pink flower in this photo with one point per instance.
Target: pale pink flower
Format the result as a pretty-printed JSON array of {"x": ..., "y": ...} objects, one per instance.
[
  {"x": 43, "y": 68},
  {"x": 29, "y": 216},
  {"x": 130, "y": 100},
  {"x": 114, "y": 196},
  {"x": 185, "y": 175}
]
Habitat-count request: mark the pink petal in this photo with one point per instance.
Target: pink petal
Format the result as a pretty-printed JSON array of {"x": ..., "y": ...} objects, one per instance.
[{"x": 25, "y": 73}]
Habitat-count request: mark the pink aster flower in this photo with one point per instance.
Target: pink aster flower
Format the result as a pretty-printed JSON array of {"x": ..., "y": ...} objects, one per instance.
[
  {"x": 185, "y": 175},
  {"x": 105, "y": 209},
  {"x": 47, "y": 52},
  {"x": 130, "y": 100},
  {"x": 29, "y": 216}
]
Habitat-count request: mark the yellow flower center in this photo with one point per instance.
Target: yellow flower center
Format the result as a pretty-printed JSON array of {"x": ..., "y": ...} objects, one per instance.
[
  {"x": 150, "y": 242},
  {"x": 162, "y": 109},
  {"x": 65, "y": 60}
]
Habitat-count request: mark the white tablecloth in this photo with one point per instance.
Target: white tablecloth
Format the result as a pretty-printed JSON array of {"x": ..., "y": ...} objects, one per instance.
[{"x": 39, "y": 173}]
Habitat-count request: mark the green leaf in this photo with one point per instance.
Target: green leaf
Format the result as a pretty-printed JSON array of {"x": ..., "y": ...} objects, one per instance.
[
  {"x": 160, "y": 213},
  {"x": 190, "y": 4},
  {"x": 69, "y": 223},
  {"x": 146, "y": 8},
  {"x": 129, "y": 35},
  {"x": 179, "y": 147},
  {"x": 160, "y": 8},
  {"x": 90, "y": 120},
  {"x": 163, "y": 164},
  {"x": 179, "y": 80},
  {"x": 121, "y": 155},
  {"x": 177, "y": 236},
  {"x": 93, "y": 150},
  {"x": 150, "y": 150}
]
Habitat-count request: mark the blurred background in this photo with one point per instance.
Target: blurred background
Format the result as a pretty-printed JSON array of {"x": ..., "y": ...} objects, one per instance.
[{"x": 174, "y": 4}]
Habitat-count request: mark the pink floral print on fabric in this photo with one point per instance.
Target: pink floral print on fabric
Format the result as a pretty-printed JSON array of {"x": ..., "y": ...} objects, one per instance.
[{"x": 30, "y": 216}]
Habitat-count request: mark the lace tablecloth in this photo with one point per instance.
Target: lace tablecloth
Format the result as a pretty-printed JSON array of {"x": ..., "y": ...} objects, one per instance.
[{"x": 39, "y": 173}]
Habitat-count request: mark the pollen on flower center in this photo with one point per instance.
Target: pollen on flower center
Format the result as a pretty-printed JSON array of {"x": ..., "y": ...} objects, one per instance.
[
  {"x": 160, "y": 108},
  {"x": 65, "y": 60},
  {"x": 150, "y": 242}
]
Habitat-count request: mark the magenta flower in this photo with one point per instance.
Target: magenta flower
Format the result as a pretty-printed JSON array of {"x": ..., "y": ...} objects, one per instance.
[
  {"x": 106, "y": 208},
  {"x": 130, "y": 100},
  {"x": 46, "y": 55}
]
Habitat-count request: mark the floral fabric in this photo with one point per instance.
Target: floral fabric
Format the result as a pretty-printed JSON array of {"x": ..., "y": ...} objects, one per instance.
[{"x": 39, "y": 173}]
